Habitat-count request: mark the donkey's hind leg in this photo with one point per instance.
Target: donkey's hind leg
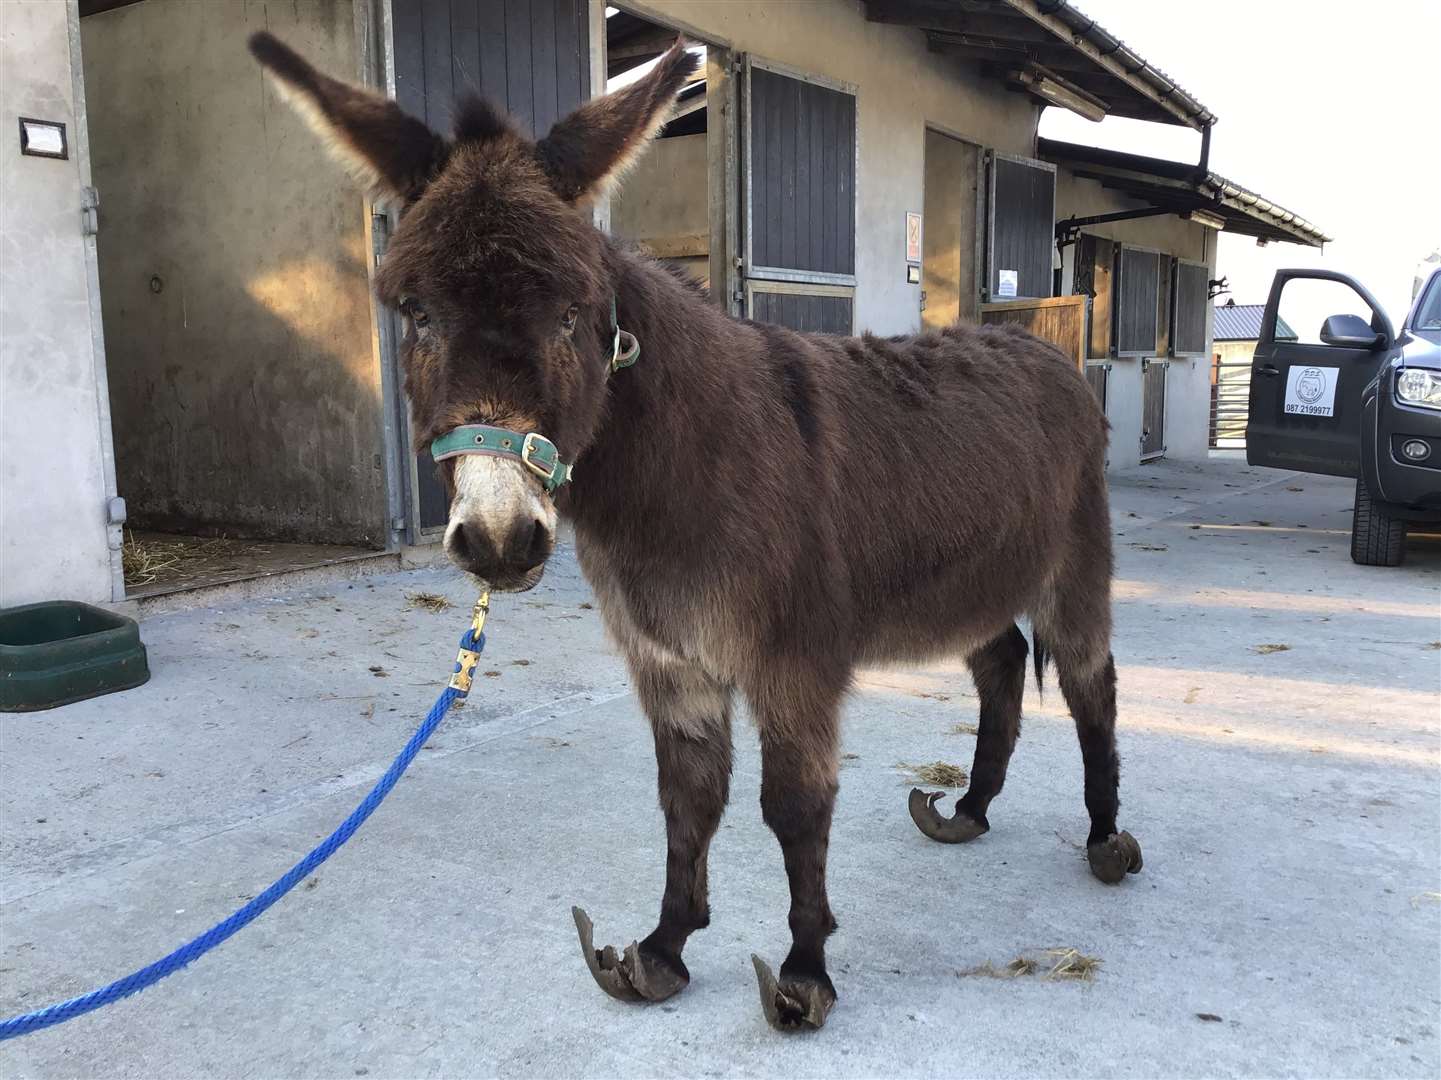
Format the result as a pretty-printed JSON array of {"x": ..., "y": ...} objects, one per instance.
[
  {"x": 1091, "y": 697},
  {"x": 998, "y": 669},
  {"x": 690, "y": 714},
  {"x": 1076, "y": 627}
]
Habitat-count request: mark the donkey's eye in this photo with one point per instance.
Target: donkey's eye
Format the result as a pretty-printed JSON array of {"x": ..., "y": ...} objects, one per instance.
[
  {"x": 567, "y": 321},
  {"x": 412, "y": 310}
]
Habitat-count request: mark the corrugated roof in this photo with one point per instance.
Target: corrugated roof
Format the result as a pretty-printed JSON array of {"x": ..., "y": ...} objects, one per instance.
[
  {"x": 1006, "y": 36},
  {"x": 1183, "y": 188},
  {"x": 1242, "y": 322}
]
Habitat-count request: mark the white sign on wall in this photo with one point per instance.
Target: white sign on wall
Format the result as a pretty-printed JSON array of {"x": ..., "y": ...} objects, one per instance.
[
  {"x": 1009, "y": 283},
  {"x": 913, "y": 236},
  {"x": 1311, "y": 391}
]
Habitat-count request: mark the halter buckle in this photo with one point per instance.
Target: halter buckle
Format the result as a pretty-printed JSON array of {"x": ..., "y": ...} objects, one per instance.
[{"x": 547, "y": 473}]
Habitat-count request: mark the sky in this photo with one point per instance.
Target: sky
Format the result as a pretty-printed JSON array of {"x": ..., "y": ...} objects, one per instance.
[{"x": 1330, "y": 109}]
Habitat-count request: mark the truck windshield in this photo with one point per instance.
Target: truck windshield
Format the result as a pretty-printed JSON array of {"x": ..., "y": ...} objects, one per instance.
[{"x": 1428, "y": 314}]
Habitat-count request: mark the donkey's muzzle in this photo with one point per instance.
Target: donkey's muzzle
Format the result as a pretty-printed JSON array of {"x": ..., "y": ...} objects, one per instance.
[{"x": 508, "y": 564}]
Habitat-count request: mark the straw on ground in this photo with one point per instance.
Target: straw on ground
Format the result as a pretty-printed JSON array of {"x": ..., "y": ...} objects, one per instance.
[{"x": 938, "y": 773}]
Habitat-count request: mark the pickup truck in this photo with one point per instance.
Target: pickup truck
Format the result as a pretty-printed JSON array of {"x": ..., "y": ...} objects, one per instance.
[{"x": 1363, "y": 402}]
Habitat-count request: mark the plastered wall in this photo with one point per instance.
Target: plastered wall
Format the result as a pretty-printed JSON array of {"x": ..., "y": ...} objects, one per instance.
[
  {"x": 664, "y": 203},
  {"x": 54, "y": 539},
  {"x": 1188, "y": 380},
  {"x": 901, "y": 86}
]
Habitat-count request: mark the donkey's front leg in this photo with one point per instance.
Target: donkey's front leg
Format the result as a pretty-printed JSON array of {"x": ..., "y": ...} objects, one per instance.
[
  {"x": 798, "y": 719},
  {"x": 690, "y": 714}
]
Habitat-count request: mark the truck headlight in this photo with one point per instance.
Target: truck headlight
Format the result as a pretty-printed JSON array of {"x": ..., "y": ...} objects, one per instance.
[{"x": 1417, "y": 387}]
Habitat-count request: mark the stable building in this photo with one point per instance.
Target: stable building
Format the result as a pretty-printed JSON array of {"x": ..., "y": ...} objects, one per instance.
[{"x": 196, "y": 375}]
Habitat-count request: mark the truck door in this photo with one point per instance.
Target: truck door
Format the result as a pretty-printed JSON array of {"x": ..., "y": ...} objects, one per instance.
[{"x": 1306, "y": 376}]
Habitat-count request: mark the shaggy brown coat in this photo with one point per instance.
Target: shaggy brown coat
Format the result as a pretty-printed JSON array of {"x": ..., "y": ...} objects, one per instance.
[{"x": 757, "y": 509}]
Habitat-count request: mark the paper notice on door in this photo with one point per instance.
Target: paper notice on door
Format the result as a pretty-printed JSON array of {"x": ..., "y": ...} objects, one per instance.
[
  {"x": 1008, "y": 283},
  {"x": 1311, "y": 391}
]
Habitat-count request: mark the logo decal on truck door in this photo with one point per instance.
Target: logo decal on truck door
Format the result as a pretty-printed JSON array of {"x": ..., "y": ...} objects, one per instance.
[{"x": 1311, "y": 391}]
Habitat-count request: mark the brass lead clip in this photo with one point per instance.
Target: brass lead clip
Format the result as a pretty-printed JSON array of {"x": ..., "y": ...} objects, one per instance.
[{"x": 467, "y": 659}]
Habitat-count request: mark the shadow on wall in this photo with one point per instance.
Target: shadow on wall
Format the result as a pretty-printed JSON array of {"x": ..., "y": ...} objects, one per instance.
[{"x": 244, "y": 389}]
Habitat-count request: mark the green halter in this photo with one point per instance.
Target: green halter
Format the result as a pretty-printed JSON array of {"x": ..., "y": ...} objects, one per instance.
[{"x": 535, "y": 451}]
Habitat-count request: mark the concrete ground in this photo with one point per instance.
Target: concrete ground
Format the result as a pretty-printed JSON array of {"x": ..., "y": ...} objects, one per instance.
[{"x": 1286, "y": 923}]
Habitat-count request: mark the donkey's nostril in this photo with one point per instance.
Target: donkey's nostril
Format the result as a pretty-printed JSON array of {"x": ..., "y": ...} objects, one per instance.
[
  {"x": 470, "y": 549},
  {"x": 530, "y": 545}
]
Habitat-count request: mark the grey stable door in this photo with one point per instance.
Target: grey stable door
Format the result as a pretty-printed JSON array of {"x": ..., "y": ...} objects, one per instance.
[
  {"x": 1153, "y": 408},
  {"x": 531, "y": 56},
  {"x": 1020, "y": 227},
  {"x": 798, "y": 199}
]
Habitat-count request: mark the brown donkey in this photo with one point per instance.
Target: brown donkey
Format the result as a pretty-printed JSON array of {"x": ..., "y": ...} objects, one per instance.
[{"x": 757, "y": 509}]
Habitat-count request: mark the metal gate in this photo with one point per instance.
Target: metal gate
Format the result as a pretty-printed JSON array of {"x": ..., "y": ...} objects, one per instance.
[
  {"x": 798, "y": 199},
  {"x": 1230, "y": 398},
  {"x": 533, "y": 57},
  {"x": 1153, "y": 408}
]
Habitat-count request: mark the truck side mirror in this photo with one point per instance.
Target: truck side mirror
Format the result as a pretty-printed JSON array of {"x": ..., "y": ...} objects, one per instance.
[{"x": 1350, "y": 332}]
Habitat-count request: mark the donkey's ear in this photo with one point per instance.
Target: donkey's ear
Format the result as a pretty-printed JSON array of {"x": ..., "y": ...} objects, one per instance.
[
  {"x": 392, "y": 154},
  {"x": 592, "y": 147}
]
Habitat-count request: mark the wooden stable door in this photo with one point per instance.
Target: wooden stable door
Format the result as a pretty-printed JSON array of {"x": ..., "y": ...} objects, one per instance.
[
  {"x": 951, "y": 213},
  {"x": 1061, "y": 320},
  {"x": 798, "y": 199},
  {"x": 531, "y": 56}
]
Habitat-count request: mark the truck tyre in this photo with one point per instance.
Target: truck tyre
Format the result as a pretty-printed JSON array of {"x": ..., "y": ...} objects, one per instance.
[{"x": 1376, "y": 539}]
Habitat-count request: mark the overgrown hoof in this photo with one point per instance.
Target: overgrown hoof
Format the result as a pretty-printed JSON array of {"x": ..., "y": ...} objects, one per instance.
[
  {"x": 1115, "y": 857},
  {"x": 796, "y": 1003},
  {"x": 631, "y": 976},
  {"x": 948, "y": 830}
]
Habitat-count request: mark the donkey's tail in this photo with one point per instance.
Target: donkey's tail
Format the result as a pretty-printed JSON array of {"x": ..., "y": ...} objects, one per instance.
[{"x": 1040, "y": 656}]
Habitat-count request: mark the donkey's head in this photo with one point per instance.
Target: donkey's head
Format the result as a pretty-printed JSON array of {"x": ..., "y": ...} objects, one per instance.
[{"x": 504, "y": 285}]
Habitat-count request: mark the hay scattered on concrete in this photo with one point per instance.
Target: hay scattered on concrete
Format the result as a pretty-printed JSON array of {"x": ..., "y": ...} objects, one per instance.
[
  {"x": 1072, "y": 964},
  {"x": 965, "y": 729},
  {"x": 938, "y": 773},
  {"x": 428, "y": 601},
  {"x": 1051, "y": 964},
  {"x": 1017, "y": 968},
  {"x": 1270, "y": 647}
]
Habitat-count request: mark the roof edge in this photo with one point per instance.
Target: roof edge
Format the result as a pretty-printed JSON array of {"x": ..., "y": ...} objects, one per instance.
[
  {"x": 1089, "y": 37},
  {"x": 1209, "y": 186}
]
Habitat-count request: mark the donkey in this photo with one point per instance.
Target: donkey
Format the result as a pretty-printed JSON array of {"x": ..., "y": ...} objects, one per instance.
[{"x": 757, "y": 510}]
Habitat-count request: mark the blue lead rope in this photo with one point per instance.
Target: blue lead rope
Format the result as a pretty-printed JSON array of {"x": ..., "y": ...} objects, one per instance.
[{"x": 471, "y": 643}]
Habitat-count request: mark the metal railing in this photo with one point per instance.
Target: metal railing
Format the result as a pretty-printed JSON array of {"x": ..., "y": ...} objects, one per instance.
[{"x": 1230, "y": 394}]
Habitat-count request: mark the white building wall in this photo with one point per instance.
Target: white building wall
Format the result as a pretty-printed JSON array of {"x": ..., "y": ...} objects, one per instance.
[
  {"x": 900, "y": 87},
  {"x": 56, "y": 473},
  {"x": 1188, "y": 379}
]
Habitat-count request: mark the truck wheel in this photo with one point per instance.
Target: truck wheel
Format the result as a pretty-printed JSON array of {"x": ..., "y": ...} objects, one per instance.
[{"x": 1376, "y": 539}]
